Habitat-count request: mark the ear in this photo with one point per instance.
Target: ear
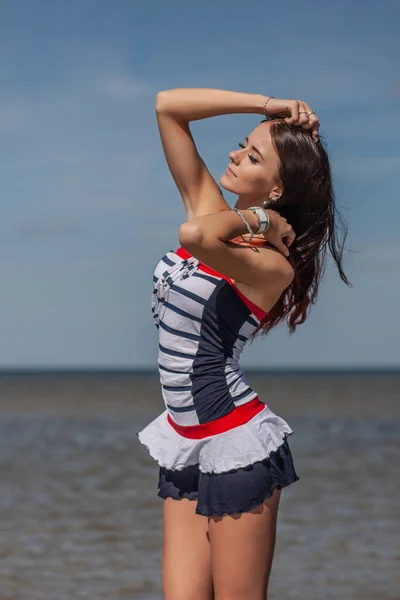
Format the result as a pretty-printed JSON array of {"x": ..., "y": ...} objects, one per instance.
[{"x": 276, "y": 192}]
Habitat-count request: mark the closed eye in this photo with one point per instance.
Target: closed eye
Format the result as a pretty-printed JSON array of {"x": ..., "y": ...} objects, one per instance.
[{"x": 251, "y": 157}]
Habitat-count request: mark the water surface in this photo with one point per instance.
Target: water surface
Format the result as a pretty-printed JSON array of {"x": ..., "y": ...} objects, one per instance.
[{"x": 80, "y": 516}]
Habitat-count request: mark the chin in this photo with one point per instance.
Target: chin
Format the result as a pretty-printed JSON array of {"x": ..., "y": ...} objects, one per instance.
[{"x": 227, "y": 183}]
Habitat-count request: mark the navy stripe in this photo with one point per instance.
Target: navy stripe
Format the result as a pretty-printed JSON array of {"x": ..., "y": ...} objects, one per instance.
[
  {"x": 188, "y": 294},
  {"x": 252, "y": 321},
  {"x": 176, "y": 388},
  {"x": 213, "y": 280},
  {"x": 168, "y": 261},
  {"x": 235, "y": 380},
  {"x": 179, "y": 333},
  {"x": 174, "y": 353},
  {"x": 242, "y": 338},
  {"x": 181, "y": 312},
  {"x": 181, "y": 409},
  {"x": 171, "y": 370},
  {"x": 184, "y": 292},
  {"x": 231, "y": 372},
  {"x": 242, "y": 395},
  {"x": 206, "y": 277}
]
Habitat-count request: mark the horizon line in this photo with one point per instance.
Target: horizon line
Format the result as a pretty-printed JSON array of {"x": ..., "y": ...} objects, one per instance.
[{"x": 51, "y": 371}]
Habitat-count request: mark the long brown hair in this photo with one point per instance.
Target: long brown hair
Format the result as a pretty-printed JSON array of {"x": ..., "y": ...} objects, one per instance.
[{"x": 308, "y": 204}]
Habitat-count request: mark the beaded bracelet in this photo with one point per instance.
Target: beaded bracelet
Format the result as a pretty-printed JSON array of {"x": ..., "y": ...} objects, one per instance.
[
  {"x": 241, "y": 215},
  {"x": 265, "y": 106}
]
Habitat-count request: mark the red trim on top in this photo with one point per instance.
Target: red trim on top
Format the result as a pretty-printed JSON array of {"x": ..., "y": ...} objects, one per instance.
[
  {"x": 238, "y": 416},
  {"x": 257, "y": 310}
]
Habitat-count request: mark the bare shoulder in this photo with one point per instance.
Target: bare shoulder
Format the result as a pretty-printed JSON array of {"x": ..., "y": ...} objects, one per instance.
[
  {"x": 279, "y": 265},
  {"x": 275, "y": 274}
]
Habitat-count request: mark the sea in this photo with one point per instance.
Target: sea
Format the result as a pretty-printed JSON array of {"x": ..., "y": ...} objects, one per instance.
[{"x": 79, "y": 511}]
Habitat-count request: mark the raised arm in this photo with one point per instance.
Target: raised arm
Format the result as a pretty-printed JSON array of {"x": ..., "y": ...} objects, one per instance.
[{"x": 175, "y": 109}]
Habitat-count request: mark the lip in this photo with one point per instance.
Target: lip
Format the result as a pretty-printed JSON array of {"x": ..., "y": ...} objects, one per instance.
[{"x": 230, "y": 172}]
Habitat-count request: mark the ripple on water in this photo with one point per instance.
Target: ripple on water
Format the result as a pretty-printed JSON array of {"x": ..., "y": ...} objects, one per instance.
[{"x": 80, "y": 516}]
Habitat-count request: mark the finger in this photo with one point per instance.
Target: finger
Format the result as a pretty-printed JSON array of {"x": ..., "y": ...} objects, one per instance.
[
  {"x": 303, "y": 115},
  {"x": 291, "y": 236},
  {"x": 279, "y": 244},
  {"x": 315, "y": 128},
  {"x": 293, "y": 108},
  {"x": 314, "y": 122},
  {"x": 287, "y": 234}
]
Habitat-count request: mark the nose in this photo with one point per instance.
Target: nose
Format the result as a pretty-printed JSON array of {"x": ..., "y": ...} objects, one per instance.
[{"x": 234, "y": 156}]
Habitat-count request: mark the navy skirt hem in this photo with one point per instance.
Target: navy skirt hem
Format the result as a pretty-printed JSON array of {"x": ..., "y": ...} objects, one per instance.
[{"x": 234, "y": 491}]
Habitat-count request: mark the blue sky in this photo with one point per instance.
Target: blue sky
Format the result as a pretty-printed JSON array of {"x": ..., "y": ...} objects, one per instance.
[{"x": 88, "y": 205}]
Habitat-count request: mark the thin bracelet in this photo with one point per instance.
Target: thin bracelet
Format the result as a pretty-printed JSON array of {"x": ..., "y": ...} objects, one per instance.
[
  {"x": 241, "y": 215},
  {"x": 265, "y": 104}
]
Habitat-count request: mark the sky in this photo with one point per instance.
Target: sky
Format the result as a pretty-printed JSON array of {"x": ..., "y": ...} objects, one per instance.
[{"x": 88, "y": 204}]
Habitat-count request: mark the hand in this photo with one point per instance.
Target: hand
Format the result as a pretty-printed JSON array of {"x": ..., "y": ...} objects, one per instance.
[
  {"x": 296, "y": 112},
  {"x": 279, "y": 230}
]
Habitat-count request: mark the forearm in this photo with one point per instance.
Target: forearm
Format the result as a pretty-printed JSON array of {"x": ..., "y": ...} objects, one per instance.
[
  {"x": 215, "y": 228},
  {"x": 192, "y": 104}
]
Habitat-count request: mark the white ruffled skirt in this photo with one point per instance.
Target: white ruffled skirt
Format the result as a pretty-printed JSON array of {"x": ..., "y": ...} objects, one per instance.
[{"x": 239, "y": 447}]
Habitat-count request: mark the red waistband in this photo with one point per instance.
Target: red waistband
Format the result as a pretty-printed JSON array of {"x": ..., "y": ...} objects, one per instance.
[{"x": 238, "y": 416}]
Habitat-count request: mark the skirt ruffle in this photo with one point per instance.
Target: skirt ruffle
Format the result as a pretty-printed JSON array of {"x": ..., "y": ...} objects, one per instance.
[
  {"x": 233, "y": 492},
  {"x": 237, "y": 448}
]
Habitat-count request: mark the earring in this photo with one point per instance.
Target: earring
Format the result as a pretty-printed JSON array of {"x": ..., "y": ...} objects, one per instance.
[{"x": 269, "y": 201}]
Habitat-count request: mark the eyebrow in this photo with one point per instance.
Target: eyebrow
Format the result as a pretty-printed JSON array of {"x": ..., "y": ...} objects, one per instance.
[{"x": 254, "y": 148}]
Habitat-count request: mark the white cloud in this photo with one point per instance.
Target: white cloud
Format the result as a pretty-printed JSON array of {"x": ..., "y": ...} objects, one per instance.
[
  {"x": 70, "y": 103},
  {"x": 121, "y": 86},
  {"x": 82, "y": 144},
  {"x": 40, "y": 229}
]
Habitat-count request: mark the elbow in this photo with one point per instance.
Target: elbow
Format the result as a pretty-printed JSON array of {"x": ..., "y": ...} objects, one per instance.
[
  {"x": 162, "y": 101},
  {"x": 191, "y": 236}
]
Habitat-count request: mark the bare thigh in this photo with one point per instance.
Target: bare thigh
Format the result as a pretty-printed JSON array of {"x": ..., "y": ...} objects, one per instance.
[
  {"x": 242, "y": 548},
  {"x": 186, "y": 552}
]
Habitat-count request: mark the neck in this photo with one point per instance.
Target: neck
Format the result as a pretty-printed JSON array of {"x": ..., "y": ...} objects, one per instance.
[{"x": 244, "y": 202}]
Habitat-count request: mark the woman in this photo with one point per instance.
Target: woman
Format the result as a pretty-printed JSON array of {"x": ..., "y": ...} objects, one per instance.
[{"x": 223, "y": 454}]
